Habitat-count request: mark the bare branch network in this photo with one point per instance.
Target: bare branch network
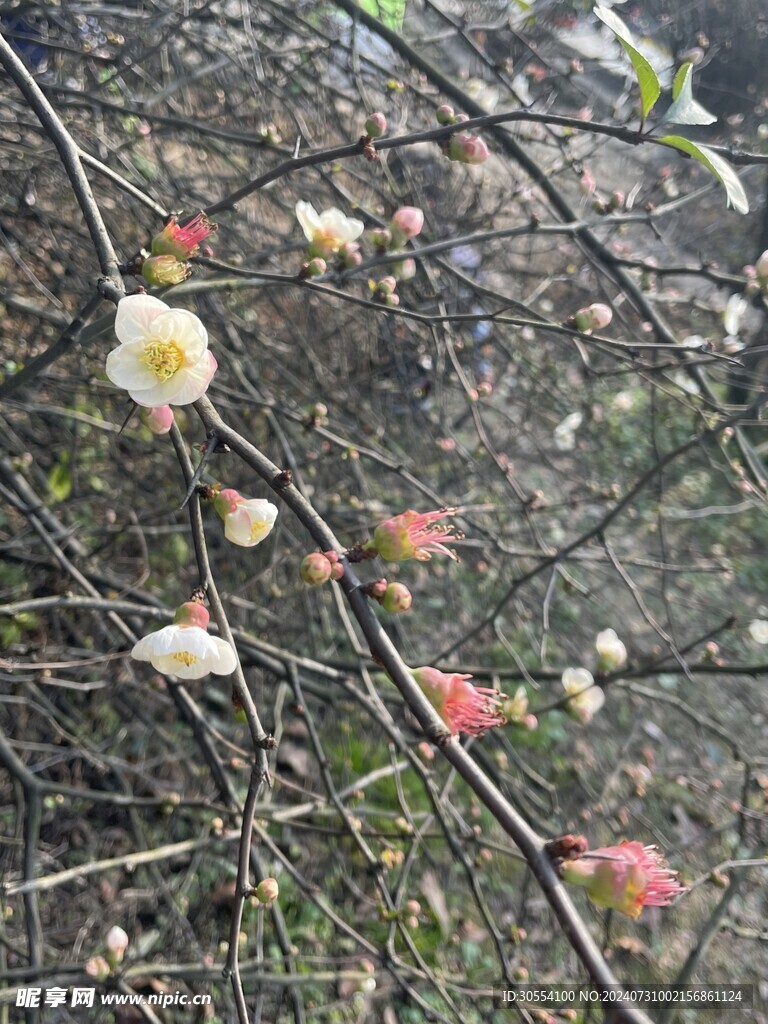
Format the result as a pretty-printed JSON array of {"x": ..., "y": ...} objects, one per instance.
[{"x": 382, "y": 606}]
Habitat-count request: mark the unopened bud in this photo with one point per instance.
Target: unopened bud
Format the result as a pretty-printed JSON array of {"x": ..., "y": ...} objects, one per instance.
[
  {"x": 396, "y": 598},
  {"x": 406, "y": 222},
  {"x": 350, "y": 256},
  {"x": 467, "y": 149},
  {"x": 315, "y": 569},
  {"x": 593, "y": 318},
  {"x": 386, "y": 286},
  {"x": 375, "y": 125},
  {"x": 267, "y": 891},
  {"x": 405, "y": 270},
  {"x": 381, "y": 239},
  {"x": 445, "y": 114},
  {"x": 316, "y": 267},
  {"x": 117, "y": 941},
  {"x": 612, "y": 653},
  {"x": 159, "y": 419}
]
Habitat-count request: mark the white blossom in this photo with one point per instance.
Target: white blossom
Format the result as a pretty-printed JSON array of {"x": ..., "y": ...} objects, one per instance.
[
  {"x": 163, "y": 356},
  {"x": 758, "y": 630},
  {"x": 188, "y": 652},
  {"x": 735, "y": 308},
  {"x": 611, "y": 650},
  {"x": 586, "y": 699},
  {"x": 250, "y": 522},
  {"x": 327, "y": 231}
]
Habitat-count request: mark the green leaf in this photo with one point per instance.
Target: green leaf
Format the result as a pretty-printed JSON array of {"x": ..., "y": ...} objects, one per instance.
[
  {"x": 722, "y": 170},
  {"x": 389, "y": 12},
  {"x": 60, "y": 479},
  {"x": 647, "y": 79},
  {"x": 685, "y": 109}
]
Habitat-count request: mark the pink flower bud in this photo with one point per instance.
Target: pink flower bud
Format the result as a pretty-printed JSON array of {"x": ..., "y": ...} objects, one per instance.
[
  {"x": 405, "y": 270},
  {"x": 386, "y": 285},
  {"x": 315, "y": 569},
  {"x": 407, "y": 222},
  {"x": 375, "y": 125},
  {"x": 445, "y": 114},
  {"x": 467, "y": 149},
  {"x": 159, "y": 419},
  {"x": 593, "y": 318},
  {"x": 97, "y": 967},
  {"x": 397, "y": 598},
  {"x": 377, "y": 589},
  {"x": 191, "y": 613},
  {"x": 117, "y": 943},
  {"x": 381, "y": 239},
  {"x": 160, "y": 271},
  {"x": 317, "y": 267},
  {"x": 392, "y": 301},
  {"x": 350, "y": 255},
  {"x": 337, "y": 570},
  {"x": 267, "y": 891}
]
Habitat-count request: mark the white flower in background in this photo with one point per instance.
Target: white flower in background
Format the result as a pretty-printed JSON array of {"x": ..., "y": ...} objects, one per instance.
[
  {"x": 565, "y": 432},
  {"x": 326, "y": 232},
  {"x": 758, "y": 630},
  {"x": 586, "y": 699},
  {"x": 735, "y": 308},
  {"x": 247, "y": 521},
  {"x": 612, "y": 653},
  {"x": 622, "y": 401},
  {"x": 185, "y": 649},
  {"x": 163, "y": 356}
]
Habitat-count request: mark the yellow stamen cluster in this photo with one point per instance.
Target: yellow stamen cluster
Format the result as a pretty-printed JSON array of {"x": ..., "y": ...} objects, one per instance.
[
  {"x": 186, "y": 658},
  {"x": 163, "y": 358}
]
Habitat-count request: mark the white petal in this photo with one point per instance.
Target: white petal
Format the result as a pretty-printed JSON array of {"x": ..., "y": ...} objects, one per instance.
[
  {"x": 183, "y": 328},
  {"x": 184, "y": 387},
  {"x": 237, "y": 527},
  {"x": 758, "y": 630},
  {"x": 577, "y": 679},
  {"x": 135, "y": 314},
  {"x": 126, "y": 369},
  {"x": 307, "y": 217},
  {"x": 341, "y": 227},
  {"x": 249, "y": 523},
  {"x": 226, "y": 659}
]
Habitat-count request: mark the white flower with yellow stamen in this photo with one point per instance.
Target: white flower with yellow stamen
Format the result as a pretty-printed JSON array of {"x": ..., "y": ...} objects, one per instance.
[
  {"x": 185, "y": 649},
  {"x": 163, "y": 356},
  {"x": 327, "y": 231}
]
